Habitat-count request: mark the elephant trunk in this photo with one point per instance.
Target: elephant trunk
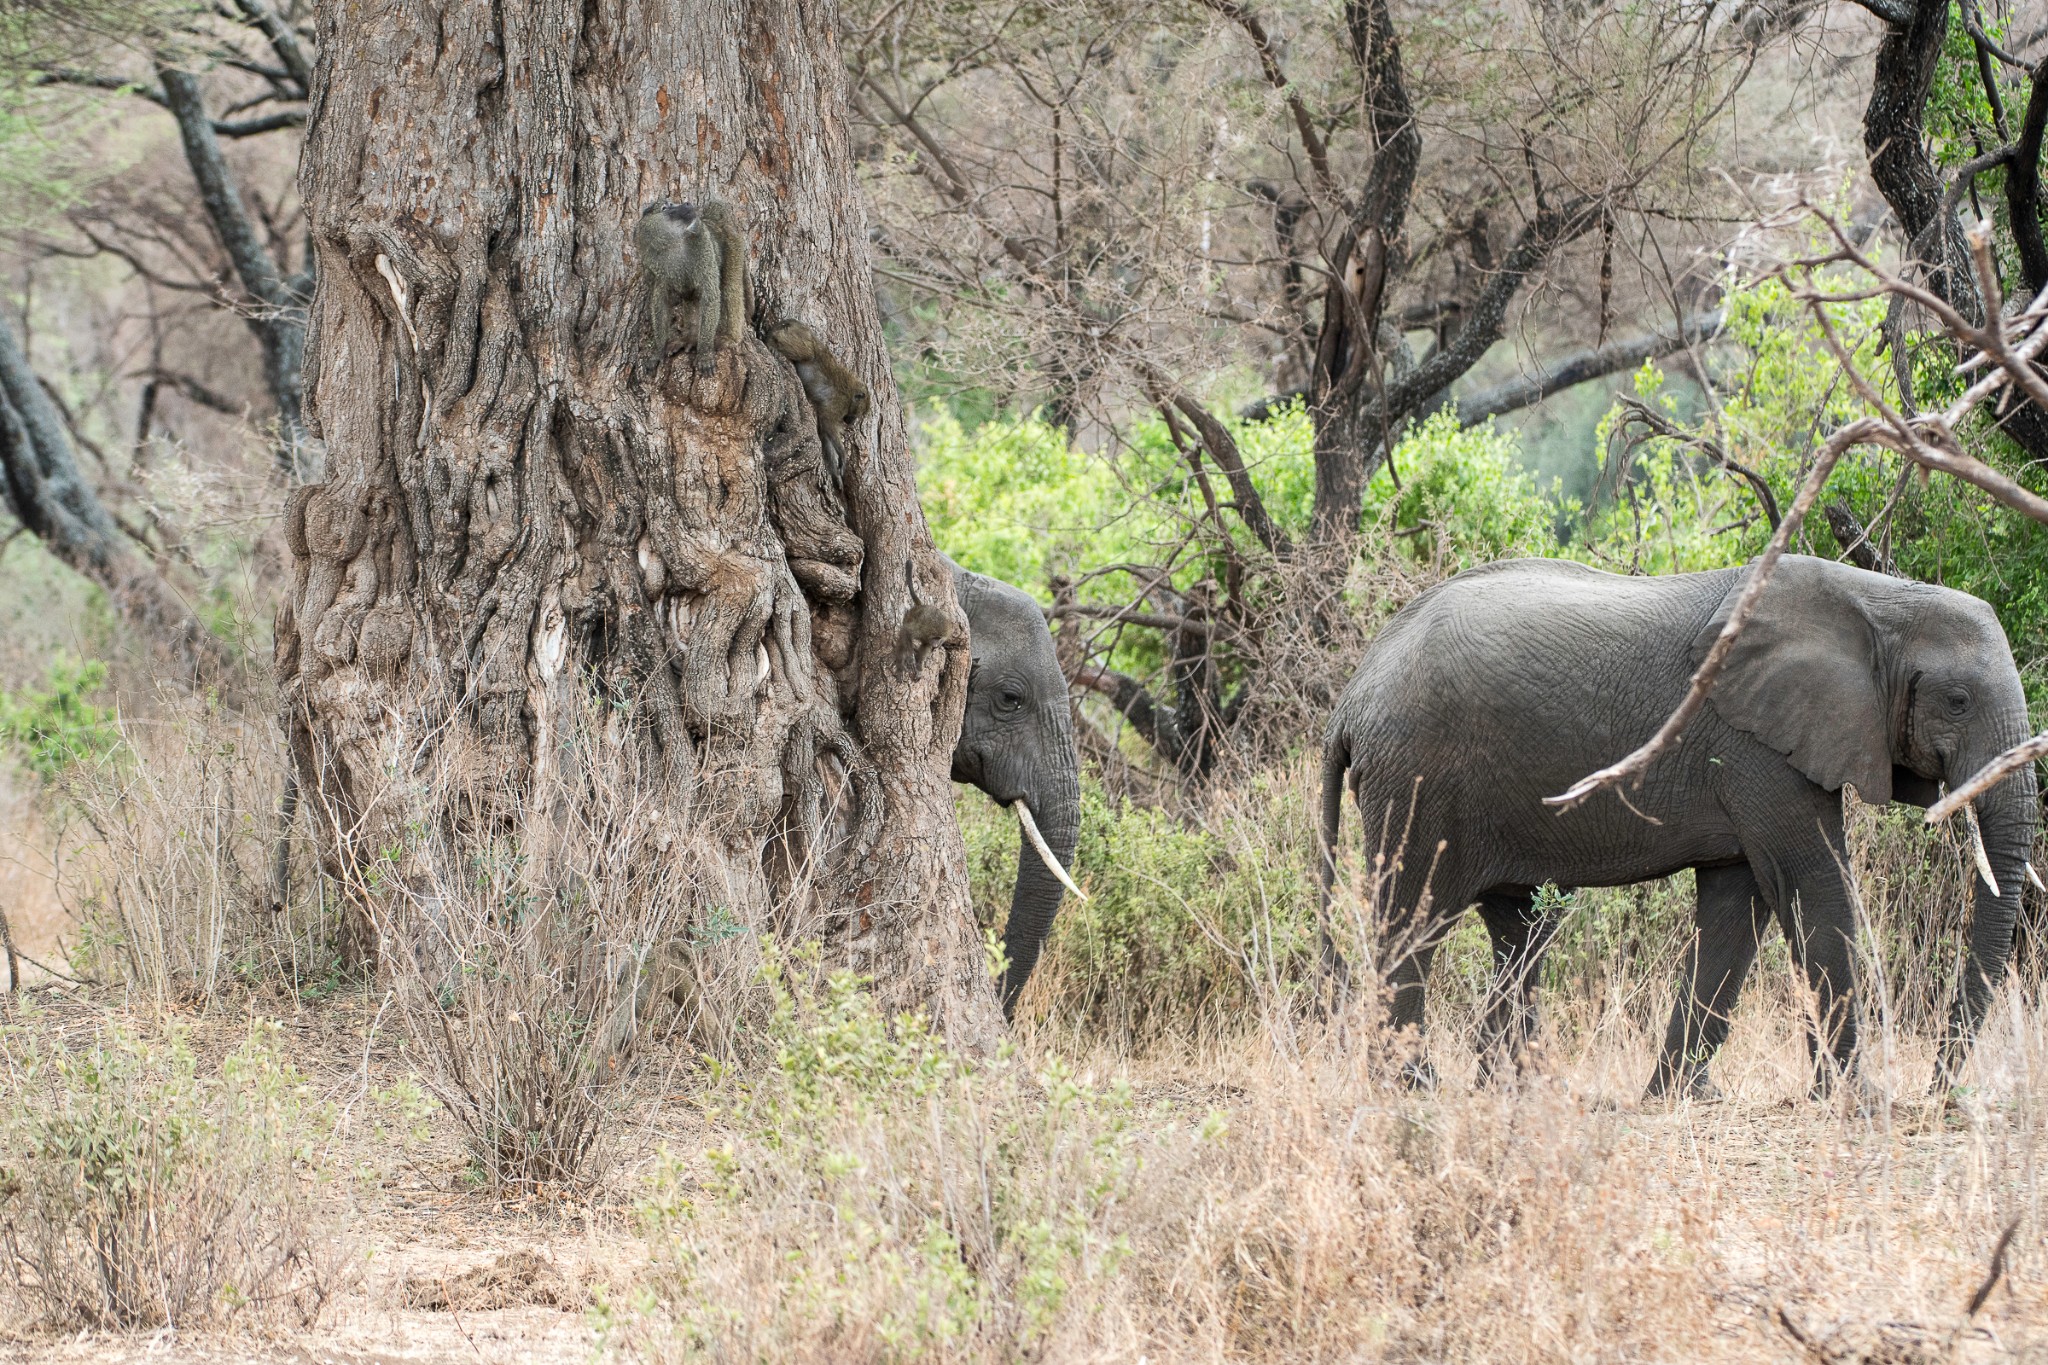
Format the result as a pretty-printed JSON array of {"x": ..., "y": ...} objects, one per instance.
[
  {"x": 2005, "y": 820},
  {"x": 1055, "y": 806}
]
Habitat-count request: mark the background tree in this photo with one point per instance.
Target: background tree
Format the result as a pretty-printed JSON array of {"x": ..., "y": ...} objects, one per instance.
[{"x": 1372, "y": 200}]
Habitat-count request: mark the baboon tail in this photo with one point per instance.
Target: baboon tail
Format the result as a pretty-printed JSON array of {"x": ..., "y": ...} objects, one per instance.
[{"x": 1336, "y": 763}]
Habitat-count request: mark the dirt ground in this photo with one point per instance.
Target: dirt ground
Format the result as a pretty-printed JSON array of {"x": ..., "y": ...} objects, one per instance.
[{"x": 1805, "y": 1206}]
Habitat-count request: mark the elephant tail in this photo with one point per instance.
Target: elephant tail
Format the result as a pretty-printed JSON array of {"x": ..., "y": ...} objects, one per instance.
[{"x": 1336, "y": 763}]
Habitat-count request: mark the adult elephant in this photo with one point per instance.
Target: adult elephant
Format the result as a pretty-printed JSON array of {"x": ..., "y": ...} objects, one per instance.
[
  {"x": 1017, "y": 745},
  {"x": 1508, "y": 683}
]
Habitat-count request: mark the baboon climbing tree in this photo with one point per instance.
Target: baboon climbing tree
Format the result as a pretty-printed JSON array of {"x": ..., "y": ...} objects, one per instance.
[{"x": 526, "y": 522}]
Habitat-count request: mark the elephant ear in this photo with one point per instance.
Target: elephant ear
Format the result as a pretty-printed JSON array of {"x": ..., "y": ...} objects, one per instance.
[{"x": 1803, "y": 676}]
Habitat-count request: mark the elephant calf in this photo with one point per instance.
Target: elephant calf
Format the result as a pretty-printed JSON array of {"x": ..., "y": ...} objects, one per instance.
[{"x": 1510, "y": 682}]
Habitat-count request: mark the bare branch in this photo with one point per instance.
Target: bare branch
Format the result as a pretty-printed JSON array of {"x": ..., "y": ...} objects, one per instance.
[
  {"x": 1928, "y": 441},
  {"x": 1269, "y": 65},
  {"x": 1855, "y": 539},
  {"x": 267, "y": 123},
  {"x": 283, "y": 40},
  {"x": 1567, "y": 371},
  {"x": 1898, "y": 12},
  {"x": 1638, "y": 413},
  {"x": 1632, "y": 768},
  {"x": 1131, "y": 615},
  {"x": 1222, "y": 448},
  {"x": 2023, "y": 185},
  {"x": 1988, "y": 776}
]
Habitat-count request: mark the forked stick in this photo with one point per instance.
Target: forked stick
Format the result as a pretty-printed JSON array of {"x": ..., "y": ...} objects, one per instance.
[{"x": 1928, "y": 441}]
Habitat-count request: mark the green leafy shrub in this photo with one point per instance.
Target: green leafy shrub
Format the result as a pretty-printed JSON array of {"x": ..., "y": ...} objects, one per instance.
[
  {"x": 1187, "y": 925},
  {"x": 143, "y": 1190},
  {"x": 60, "y": 726},
  {"x": 881, "y": 1197},
  {"x": 1464, "y": 496}
]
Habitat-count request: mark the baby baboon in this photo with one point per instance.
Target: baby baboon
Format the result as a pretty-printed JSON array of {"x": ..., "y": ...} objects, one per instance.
[
  {"x": 693, "y": 253},
  {"x": 838, "y": 396},
  {"x": 923, "y": 626}
]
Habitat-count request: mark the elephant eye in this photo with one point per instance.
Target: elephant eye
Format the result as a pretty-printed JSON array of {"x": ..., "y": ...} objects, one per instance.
[
  {"x": 1958, "y": 702},
  {"x": 1010, "y": 699}
]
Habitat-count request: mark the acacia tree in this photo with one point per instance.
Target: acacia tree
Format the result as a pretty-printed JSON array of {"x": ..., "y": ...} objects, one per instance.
[
  {"x": 1362, "y": 201},
  {"x": 525, "y": 519}
]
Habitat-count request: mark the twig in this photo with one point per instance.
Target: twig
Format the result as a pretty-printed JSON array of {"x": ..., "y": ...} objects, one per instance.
[
  {"x": 1997, "y": 1268},
  {"x": 1988, "y": 776},
  {"x": 1639, "y": 413}
]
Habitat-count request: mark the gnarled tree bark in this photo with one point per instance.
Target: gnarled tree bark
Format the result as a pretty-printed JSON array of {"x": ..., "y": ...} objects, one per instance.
[{"x": 522, "y": 514}]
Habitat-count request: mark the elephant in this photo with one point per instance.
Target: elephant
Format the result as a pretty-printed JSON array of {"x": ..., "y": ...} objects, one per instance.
[
  {"x": 1509, "y": 682},
  {"x": 1017, "y": 745}
]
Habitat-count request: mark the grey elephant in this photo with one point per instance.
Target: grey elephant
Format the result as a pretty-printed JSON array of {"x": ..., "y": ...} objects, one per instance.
[
  {"x": 1017, "y": 745},
  {"x": 1508, "y": 683}
]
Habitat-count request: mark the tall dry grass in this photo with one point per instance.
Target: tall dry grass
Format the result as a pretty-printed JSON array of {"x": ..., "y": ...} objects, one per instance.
[
  {"x": 1205, "y": 1172},
  {"x": 1175, "y": 1160},
  {"x": 172, "y": 884}
]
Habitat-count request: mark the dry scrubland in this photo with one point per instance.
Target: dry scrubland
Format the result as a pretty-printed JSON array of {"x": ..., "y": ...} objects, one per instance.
[{"x": 225, "y": 1135}]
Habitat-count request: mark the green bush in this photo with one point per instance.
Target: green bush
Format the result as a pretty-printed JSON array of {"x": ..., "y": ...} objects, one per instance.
[
  {"x": 1187, "y": 926},
  {"x": 881, "y": 1196},
  {"x": 59, "y": 726},
  {"x": 142, "y": 1191},
  {"x": 1464, "y": 495}
]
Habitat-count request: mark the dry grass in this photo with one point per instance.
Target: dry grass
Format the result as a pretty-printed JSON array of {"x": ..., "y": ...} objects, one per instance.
[
  {"x": 146, "y": 1189},
  {"x": 1210, "y": 1178}
]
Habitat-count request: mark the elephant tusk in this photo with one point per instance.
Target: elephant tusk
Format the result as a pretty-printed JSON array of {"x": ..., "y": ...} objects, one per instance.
[
  {"x": 1977, "y": 848},
  {"x": 2035, "y": 878},
  {"x": 1044, "y": 853}
]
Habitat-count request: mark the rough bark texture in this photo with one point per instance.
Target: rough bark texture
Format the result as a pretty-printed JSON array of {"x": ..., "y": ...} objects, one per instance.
[
  {"x": 520, "y": 517},
  {"x": 1350, "y": 364}
]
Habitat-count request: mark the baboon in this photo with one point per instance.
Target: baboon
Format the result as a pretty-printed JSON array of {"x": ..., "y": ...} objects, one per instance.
[
  {"x": 835, "y": 392},
  {"x": 692, "y": 252}
]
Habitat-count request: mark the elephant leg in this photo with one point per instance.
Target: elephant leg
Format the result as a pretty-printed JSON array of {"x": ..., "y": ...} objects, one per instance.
[
  {"x": 1820, "y": 931},
  {"x": 1803, "y": 870},
  {"x": 1728, "y": 925},
  {"x": 1519, "y": 935},
  {"x": 1429, "y": 908}
]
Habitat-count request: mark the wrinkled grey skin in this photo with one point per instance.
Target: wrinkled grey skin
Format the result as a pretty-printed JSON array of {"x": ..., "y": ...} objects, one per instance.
[
  {"x": 1017, "y": 743},
  {"x": 1510, "y": 682}
]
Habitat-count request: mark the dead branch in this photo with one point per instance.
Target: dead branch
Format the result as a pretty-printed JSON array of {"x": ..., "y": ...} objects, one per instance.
[
  {"x": 1928, "y": 441},
  {"x": 1554, "y": 376},
  {"x": 1636, "y": 413},
  {"x": 1631, "y": 768},
  {"x": 1988, "y": 776}
]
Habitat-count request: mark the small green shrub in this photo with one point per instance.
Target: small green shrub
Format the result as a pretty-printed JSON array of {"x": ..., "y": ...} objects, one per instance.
[
  {"x": 880, "y": 1197},
  {"x": 1188, "y": 926},
  {"x": 59, "y": 726},
  {"x": 142, "y": 1190}
]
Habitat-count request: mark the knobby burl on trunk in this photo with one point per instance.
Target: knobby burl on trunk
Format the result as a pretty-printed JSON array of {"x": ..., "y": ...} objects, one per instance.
[{"x": 523, "y": 518}]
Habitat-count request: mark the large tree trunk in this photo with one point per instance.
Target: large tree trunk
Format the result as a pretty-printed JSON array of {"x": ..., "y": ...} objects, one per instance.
[{"x": 520, "y": 519}]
